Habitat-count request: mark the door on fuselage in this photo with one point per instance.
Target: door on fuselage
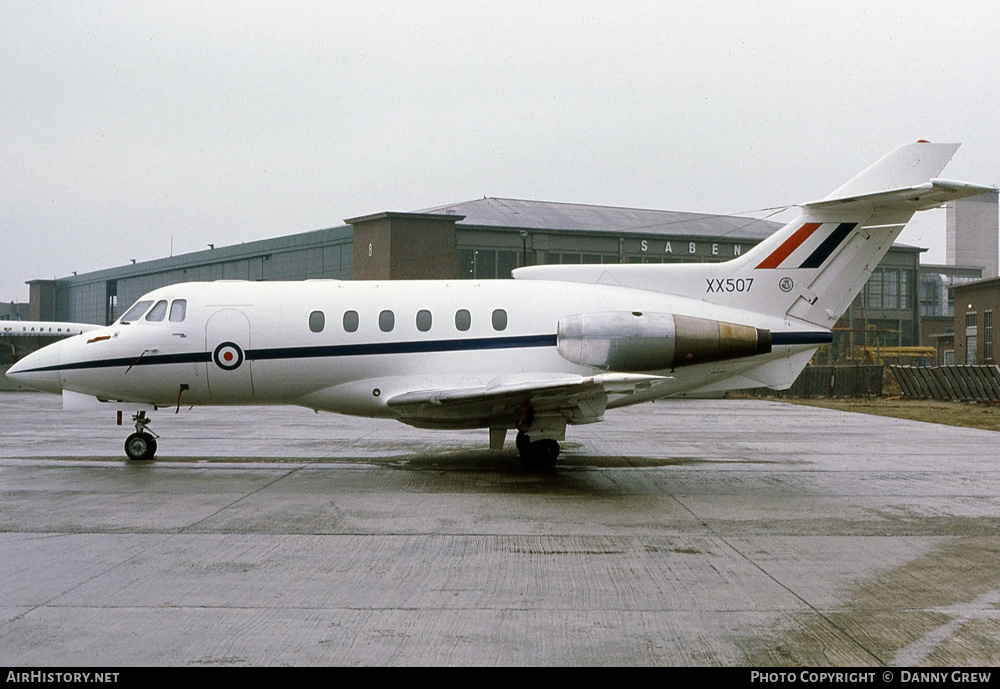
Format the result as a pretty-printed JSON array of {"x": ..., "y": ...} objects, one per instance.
[{"x": 228, "y": 371}]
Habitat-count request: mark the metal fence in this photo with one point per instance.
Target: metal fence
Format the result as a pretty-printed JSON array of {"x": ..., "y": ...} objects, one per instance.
[
  {"x": 979, "y": 383},
  {"x": 831, "y": 381}
]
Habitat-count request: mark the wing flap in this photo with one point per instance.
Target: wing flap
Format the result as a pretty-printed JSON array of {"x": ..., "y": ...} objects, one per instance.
[{"x": 505, "y": 402}]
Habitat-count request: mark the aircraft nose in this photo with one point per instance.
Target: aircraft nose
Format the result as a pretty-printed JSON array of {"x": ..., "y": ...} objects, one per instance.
[{"x": 39, "y": 370}]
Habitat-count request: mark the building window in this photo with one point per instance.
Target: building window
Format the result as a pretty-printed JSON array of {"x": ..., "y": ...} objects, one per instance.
[
  {"x": 557, "y": 258},
  {"x": 931, "y": 297},
  {"x": 423, "y": 320},
  {"x": 463, "y": 320},
  {"x": 886, "y": 332},
  {"x": 971, "y": 343},
  {"x": 506, "y": 263},
  {"x": 486, "y": 264},
  {"x": 466, "y": 264},
  {"x": 351, "y": 321},
  {"x": 873, "y": 291},
  {"x": 987, "y": 336},
  {"x": 386, "y": 321},
  {"x": 906, "y": 334},
  {"x": 499, "y": 319},
  {"x": 111, "y": 301},
  {"x": 317, "y": 321},
  {"x": 971, "y": 337},
  {"x": 890, "y": 288}
]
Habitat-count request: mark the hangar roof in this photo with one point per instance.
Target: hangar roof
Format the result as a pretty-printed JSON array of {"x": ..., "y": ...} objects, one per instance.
[
  {"x": 578, "y": 217},
  {"x": 487, "y": 213}
]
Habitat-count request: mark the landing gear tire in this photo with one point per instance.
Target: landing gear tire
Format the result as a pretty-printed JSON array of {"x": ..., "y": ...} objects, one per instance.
[
  {"x": 540, "y": 454},
  {"x": 522, "y": 443},
  {"x": 140, "y": 446}
]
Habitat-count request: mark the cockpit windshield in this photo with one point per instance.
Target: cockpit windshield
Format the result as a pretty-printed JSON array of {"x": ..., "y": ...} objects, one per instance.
[
  {"x": 177, "y": 311},
  {"x": 158, "y": 312},
  {"x": 135, "y": 313}
]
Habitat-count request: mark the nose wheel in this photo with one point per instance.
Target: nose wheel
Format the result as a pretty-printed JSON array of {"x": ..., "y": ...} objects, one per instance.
[{"x": 141, "y": 445}]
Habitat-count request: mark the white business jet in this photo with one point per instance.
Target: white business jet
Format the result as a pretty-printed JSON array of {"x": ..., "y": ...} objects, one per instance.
[{"x": 558, "y": 345}]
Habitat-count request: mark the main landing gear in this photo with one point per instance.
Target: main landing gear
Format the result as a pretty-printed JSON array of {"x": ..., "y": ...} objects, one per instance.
[
  {"x": 141, "y": 445},
  {"x": 538, "y": 454}
]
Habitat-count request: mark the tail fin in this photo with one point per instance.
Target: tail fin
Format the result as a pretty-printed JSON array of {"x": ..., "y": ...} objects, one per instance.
[
  {"x": 907, "y": 166},
  {"x": 814, "y": 266}
]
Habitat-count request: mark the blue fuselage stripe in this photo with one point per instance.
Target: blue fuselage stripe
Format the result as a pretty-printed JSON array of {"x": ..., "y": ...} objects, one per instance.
[
  {"x": 418, "y": 347},
  {"x": 321, "y": 351},
  {"x": 813, "y": 338},
  {"x": 379, "y": 348}
]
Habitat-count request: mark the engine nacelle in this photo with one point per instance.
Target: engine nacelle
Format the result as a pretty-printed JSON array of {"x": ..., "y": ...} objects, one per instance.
[{"x": 636, "y": 341}]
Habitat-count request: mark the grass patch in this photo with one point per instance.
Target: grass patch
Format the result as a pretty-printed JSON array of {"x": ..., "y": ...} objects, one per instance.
[{"x": 968, "y": 415}]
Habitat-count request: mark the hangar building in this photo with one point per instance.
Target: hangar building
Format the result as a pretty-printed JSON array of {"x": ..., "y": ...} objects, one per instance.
[
  {"x": 976, "y": 302},
  {"x": 483, "y": 238}
]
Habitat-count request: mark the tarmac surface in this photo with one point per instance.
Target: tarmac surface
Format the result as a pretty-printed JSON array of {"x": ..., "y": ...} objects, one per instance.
[{"x": 727, "y": 532}]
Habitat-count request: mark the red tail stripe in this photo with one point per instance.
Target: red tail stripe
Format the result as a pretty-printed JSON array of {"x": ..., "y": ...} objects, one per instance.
[{"x": 790, "y": 245}]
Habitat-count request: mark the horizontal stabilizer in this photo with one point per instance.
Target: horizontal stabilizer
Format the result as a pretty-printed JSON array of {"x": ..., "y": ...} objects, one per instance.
[{"x": 916, "y": 198}]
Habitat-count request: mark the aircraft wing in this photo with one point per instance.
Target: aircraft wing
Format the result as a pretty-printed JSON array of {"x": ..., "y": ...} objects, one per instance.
[{"x": 505, "y": 402}]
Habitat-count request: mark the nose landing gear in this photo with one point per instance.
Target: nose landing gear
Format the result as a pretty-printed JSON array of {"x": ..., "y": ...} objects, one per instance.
[{"x": 141, "y": 445}]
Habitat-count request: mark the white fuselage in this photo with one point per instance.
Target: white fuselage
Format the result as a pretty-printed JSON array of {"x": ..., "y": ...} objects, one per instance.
[{"x": 443, "y": 334}]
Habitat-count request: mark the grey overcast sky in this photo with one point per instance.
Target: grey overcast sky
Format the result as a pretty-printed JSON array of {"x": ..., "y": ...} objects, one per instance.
[{"x": 125, "y": 126}]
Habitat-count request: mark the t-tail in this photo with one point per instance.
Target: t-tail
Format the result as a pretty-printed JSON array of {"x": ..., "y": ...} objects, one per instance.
[{"x": 811, "y": 269}]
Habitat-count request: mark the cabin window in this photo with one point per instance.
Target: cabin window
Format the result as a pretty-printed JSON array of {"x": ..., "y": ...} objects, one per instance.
[
  {"x": 317, "y": 321},
  {"x": 351, "y": 321},
  {"x": 386, "y": 321},
  {"x": 178, "y": 310},
  {"x": 158, "y": 312},
  {"x": 463, "y": 319},
  {"x": 499, "y": 319},
  {"x": 136, "y": 311},
  {"x": 423, "y": 320}
]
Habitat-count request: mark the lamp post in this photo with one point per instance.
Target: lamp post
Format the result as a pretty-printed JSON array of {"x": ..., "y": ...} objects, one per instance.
[{"x": 524, "y": 247}]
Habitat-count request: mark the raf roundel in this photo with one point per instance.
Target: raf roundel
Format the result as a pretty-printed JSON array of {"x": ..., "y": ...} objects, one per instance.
[{"x": 228, "y": 356}]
